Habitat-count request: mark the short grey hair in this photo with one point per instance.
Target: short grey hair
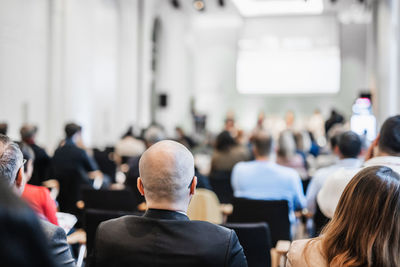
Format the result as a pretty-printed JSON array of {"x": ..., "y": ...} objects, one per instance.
[
  {"x": 11, "y": 159},
  {"x": 154, "y": 134}
]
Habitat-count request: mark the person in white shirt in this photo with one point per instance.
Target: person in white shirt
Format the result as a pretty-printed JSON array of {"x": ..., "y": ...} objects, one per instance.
[
  {"x": 384, "y": 151},
  {"x": 348, "y": 148}
]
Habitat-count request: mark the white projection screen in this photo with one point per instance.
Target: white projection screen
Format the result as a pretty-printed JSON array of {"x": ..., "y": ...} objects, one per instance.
[{"x": 289, "y": 55}]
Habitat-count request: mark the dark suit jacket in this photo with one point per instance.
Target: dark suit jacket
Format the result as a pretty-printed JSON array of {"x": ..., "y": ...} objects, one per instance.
[
  {"x": 165, "y": 238},
  {"x": 71, "y": 165},
  {"x": 57, "y": 241},
  {"x": 40, "y": 165}
]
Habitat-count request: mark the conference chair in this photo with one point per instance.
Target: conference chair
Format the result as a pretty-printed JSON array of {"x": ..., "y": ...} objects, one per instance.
[
  {"x": 273, "y": 212},
  {"x": 221, "y": 183},
  {"x": 255, "y": 239},
  {"x": 105, "y": 162},
  {"x": 71, "y": 183},
  {"x": 320, "y": 220},
  {"x": 105, "y": 199},
  {"x": 205, "y": 206}
]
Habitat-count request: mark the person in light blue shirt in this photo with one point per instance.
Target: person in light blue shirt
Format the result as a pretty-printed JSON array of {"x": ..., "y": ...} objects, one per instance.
[
  {"x": 263, "y": 179},
  {"x": 348, "y": 148}
]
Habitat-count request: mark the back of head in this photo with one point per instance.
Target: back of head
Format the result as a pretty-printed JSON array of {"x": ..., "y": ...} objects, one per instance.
[
  {"x": 262, "y": 142},
  {"x": 22, "y": 242},
  {"x": 349, "y": 144},
  {"x": 3, "y": 128},
  {"x": 71, "y": 129},
  {"x": 389, "y": 140},
  {"x": 129, "y": 132},
  {"x": 153, "y": 134},
  {"x": 166, "y": 170},
  {"x": 10, "y": 159},
  {"x": 27, "y": 132},
  {"x": 224, "y": 141},
  {"x": 365, "y": 229}
]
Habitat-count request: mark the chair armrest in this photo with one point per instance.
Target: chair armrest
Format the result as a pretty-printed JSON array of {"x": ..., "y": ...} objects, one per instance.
[
  {"x": 278, "y": 253},
  {"x": 226, "y": 209},
  {"x": 282, "y": 246}
]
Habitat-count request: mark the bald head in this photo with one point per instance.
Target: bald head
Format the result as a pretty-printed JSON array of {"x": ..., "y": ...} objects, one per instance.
[{"x": 166, "y": 171}]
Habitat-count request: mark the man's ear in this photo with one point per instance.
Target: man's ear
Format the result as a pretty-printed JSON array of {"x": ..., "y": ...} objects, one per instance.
[
  {"x": 20, "y": 180},
  {"x": 193, "y": 186},
  {"x": 336, "y": 150},
  {"x": 140, "y": 186}
]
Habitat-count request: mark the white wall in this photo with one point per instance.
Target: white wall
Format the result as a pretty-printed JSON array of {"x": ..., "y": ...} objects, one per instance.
[
  {"x": 386, "y": 53},
  {"x": 210, "y": 73},
  {"x": 23, "y": 63},
  {"x": 69, "y": 60},
  {"x": 90, "y": 61}
]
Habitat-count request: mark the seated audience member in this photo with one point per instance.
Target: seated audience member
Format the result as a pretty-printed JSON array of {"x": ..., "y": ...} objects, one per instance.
[
  {"x": 348, "y": 148},
  {"x": 129, "y": 146},
  {"x": 385, "y": 150},
  {"x": 184, "y": 139},
  {"x": 38, "y": 197},
  {"x": 265, "y": 180},
  {"x": 365, "y": 229},
  {"x": 287, "y": 155},
  {"x": 42, "y": 160},
  {"x": 227, "y": 153},
  {"x": 21, "y": 243},
  {"x": 151, "y": 136},
  {"x": 12, "y": 172},
  {"x": 165, "y": 236},
  {"x": 335, "y": 118},
  {"x": 3, "y": 128},
  {"x": 74, "y": 168}
]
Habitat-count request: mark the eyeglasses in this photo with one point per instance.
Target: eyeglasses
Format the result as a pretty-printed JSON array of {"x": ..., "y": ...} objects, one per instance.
[
  {"x": 191, "y": 182},
  {"x": 23, "y": 164},
  {"x": 24, "y": 161}
]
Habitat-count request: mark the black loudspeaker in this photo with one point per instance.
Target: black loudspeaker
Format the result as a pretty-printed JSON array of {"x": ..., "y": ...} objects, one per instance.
[{"x": 163, "y": 100}]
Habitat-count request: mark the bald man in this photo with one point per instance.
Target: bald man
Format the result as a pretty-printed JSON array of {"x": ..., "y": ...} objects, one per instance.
[{"x": 165, "y": 236}]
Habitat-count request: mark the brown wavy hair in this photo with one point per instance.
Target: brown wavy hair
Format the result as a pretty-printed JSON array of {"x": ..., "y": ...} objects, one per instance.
[{"x": 365, "y": 229}]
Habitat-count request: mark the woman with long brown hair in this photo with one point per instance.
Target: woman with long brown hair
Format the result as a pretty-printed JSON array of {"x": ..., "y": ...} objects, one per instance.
[{"x": 365, "y": 229}]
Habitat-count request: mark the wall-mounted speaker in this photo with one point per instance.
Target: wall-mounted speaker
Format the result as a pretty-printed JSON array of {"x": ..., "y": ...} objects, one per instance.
[{"x": 162, "y": 100}]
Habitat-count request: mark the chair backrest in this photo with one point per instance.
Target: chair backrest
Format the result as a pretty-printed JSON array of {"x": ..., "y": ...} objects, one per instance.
[
  {"x": 255, "y": 239},
  {"x": 104, "y": 199},
  {"x": 273, "y": 212},
  {"x": 320, "y": 220},
  {"x": 106, "y": 165},
  {"x": 205, "y": 206},
  {"x": 71, "y": 182},
  {"x": 92, "y": 219},
  {"x": 221, "y": 183}
]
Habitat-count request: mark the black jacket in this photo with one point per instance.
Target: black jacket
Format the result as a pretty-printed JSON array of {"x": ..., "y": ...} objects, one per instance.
[
  {"x": 165, "y": 238},
  {"x": 57, "y": 241}
]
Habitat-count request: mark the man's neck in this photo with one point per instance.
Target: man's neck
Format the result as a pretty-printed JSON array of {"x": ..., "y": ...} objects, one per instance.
[
  {"x": 384, "y": 154},
  {"x": 262, "y": 158}
]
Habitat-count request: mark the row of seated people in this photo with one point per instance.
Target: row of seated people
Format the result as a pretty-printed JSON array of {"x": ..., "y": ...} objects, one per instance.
[
  {"x": 164, "y": 236},
  {"x": 383, "y": 152}
]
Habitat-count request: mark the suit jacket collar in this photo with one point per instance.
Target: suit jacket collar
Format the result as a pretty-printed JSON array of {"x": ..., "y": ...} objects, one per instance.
[{"x": 165, "y": 215}]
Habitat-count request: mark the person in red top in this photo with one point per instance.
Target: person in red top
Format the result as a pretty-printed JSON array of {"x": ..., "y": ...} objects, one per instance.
[{"x": 38, "y": 197}]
